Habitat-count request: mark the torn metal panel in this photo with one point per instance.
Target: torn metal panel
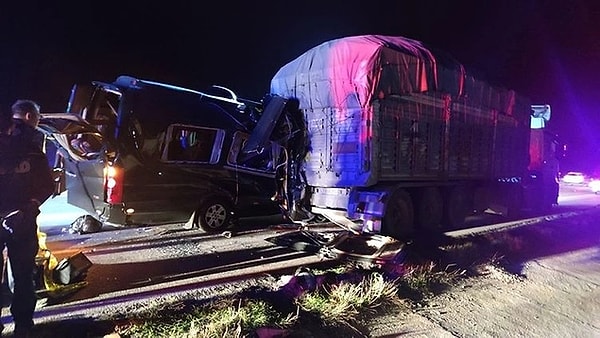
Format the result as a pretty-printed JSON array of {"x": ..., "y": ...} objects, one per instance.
[{"x": 363, "y": 249}]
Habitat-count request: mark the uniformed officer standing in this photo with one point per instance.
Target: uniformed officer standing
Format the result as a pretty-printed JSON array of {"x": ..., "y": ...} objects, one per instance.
[
  {"x": 25, "y": 183},
  {"x": 26, "y": 115}
]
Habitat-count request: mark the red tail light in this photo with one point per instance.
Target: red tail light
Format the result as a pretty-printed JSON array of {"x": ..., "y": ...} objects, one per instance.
[{"x": 113, "y": 184}]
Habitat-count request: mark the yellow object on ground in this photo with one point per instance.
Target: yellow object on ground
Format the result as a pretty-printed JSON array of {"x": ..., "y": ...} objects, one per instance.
[{"x": 47, "y": 262}]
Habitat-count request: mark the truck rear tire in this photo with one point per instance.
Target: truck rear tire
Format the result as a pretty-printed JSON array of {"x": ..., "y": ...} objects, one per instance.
[
  {"x": 214, "y": 215},
  {"x": 456, "y": 206},
  {"x": 429, "y": 209},
  {"x": 398, "y": 219},
  {"x": 514, "y": 201}
]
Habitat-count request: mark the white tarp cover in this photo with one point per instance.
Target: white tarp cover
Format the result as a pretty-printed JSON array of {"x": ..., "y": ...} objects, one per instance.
[
  {"x": 350, "y": 72},
  {"x": 337, "y": 84}
]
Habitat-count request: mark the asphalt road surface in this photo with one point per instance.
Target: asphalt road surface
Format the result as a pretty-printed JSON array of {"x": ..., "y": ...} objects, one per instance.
[{"x": 138, "y": 257}]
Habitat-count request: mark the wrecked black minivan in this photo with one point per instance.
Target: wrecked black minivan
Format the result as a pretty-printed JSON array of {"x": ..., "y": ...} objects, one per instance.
[{"x": 138, "y": 152}]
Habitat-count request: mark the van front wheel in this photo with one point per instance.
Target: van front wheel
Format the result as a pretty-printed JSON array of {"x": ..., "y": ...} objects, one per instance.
[{"x": 214, "y": 215}]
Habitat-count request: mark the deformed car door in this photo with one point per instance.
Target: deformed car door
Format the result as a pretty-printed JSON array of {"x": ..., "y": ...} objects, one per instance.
[{"x": 81, "y": 157}]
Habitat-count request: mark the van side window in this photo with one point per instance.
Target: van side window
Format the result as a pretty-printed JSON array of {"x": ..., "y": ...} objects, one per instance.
[{"x": 192, "y": 144}]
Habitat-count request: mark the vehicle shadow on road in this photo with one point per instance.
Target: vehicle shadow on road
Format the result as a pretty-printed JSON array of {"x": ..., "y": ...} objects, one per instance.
[{"x": 512, "y": 248}]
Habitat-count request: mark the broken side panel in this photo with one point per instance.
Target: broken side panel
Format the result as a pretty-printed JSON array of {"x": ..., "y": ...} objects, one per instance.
[
  {"x": 339, "y": 153},
  {"x": 410, "y": 136},
  {"x": 488, "y": 131},
  {"x": 511, "y": 144},
  {"x": 470, "y": 141}
]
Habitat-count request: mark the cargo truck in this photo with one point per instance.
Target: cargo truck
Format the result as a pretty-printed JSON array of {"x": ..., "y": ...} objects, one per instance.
[
  {"x": 402, "y": 138},
  {"x": 379, "y": 134}
]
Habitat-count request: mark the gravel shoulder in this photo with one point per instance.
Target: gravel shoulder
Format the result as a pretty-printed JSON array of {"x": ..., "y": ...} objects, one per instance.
[{"x": 549, "y": 303}]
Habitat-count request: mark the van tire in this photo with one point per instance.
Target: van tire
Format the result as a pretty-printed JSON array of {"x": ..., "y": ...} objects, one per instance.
[{"x": 214, "y": 215}]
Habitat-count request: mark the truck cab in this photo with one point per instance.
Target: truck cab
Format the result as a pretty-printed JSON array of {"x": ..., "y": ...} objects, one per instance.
[{"x": 137, "y": 152}]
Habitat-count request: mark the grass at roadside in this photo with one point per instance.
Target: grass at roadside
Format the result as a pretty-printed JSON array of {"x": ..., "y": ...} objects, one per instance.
[
  {"x": 342, "y": 303},
  {"x": 227, "y": 317},
  {"x": 425, "y": 280},
  {"x": 331, "y": 305},
  {"x": 318, "y": 306}
]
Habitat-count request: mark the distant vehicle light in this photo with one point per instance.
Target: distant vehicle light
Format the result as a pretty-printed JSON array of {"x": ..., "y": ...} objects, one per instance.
[
  {"x": 595, "y": 186},
  {"x": 574, "y": 178}
]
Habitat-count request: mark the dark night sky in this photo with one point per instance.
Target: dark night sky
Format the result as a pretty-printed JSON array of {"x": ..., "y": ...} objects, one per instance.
[{"x": 547, "y": 50}]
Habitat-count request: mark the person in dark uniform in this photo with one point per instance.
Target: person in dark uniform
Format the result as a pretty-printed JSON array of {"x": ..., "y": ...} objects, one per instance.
[
  {"x": 26, "y": 115},
  {"x": 25, "y": 183}
]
